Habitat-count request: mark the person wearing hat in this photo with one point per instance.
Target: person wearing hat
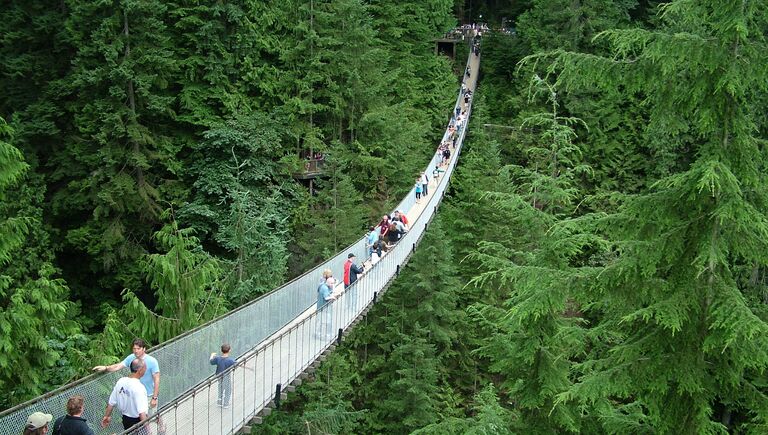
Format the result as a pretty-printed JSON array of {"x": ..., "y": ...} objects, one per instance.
[
  {"x": 37, "y": 424},
  {"x": 351, "y": 270}
]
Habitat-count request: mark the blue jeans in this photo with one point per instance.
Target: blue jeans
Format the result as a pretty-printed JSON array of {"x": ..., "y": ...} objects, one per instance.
[{"x": 225, "y": 389}]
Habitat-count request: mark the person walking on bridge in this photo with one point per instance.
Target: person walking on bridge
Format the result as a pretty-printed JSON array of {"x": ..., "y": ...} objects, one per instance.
[
  {"x": 129, "y": 395},
  {"x": 222, "y": 363},
  {"x": 418, "y": 187},
  {"x": 150, "y": 379}
]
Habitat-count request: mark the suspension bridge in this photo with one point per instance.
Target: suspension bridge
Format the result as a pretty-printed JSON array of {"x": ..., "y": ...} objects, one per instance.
[{"x": 277, "y": 339}]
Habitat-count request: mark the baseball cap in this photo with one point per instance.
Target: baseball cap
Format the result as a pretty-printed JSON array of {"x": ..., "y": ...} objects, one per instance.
[
  {"x": 350, "y": 255},
  {"x": 38, "y": 420}
]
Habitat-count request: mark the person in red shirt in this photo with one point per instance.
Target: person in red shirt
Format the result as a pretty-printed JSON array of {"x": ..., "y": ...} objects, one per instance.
[
  {"x": 401, "y": 217},
  {"x": 351, "y": 270},
  {"x": 383, "y": 226}
]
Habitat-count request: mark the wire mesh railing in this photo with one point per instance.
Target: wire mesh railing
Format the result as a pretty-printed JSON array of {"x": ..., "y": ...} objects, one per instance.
[{"x": 265, "y": 361}]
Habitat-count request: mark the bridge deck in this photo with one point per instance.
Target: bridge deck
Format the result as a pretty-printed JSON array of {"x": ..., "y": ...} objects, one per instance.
[{"x": 298, "y": 336}]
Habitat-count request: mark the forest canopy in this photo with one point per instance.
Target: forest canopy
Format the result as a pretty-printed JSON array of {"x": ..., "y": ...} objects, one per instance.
[{"x": 598, "y": 266}]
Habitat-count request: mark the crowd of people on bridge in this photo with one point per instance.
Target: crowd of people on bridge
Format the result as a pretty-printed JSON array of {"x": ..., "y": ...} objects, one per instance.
[
  {"x": 467, "y": 31},
  {"x": 136, "y": 394},
  {"x": 383, "y": 236}
]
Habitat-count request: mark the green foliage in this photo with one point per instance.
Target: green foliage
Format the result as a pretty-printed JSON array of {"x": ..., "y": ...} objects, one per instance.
[
  {"x": 12, "y": 168},
  {"x": 490, "y": 418},
  {"x": 110, "y": 173},
  {"x": 323, "y": 406},
  {"x": 551, "y": 166},
  {"x": 567, "y": 25},
  {"x": 334, "y": 218},
  {"x": 33, "y": 304},
  {"x": 674, "y": 344},
  {"x": 183, "y": 279},
  {"x": 241, "y": 188}
]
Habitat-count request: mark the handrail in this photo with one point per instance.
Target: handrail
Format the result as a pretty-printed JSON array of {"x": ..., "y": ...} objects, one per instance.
[
  {"x": 14, "y": 417},
  {"x": 186, "y": 413}
]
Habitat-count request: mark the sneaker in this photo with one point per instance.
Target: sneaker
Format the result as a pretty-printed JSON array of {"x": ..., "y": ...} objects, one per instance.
[{"x": 226, "y": 406}]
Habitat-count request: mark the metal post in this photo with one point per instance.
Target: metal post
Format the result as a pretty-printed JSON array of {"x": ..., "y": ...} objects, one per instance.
[
  {"x": 375, "y": 294},
  {"x": 278, "y": 389},
  {"x": 338, "y": 339}
]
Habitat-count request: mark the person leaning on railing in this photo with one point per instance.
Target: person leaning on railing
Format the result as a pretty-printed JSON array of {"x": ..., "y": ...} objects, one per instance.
[
  {"x": 150, "y": 380},
  {"x": 351, "y": 270}
]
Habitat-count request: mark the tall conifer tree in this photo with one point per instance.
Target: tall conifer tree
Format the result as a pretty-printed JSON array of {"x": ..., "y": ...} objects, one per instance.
[
  {"x": 111, "y": 171},
  {"x": 678, "y": 340},
  {"x": 32, "y": 302}
]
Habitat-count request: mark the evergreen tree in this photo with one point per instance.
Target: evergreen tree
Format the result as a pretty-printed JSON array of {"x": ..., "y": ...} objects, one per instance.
[
  {"x": 551, "y": 164},
  {"x": 334, "y": 218},
  {"x": 530, "y": 338},
  {"x": 677, "y": 342},
  {"x": 567, "y": 25},
  {"x": 184, "y": 279},
  {"x": 33, "y": 306},
  {"x": 490, "y": 419},
  {"x": 241, "y": 184},
  {"x": 110, "y": 173}
]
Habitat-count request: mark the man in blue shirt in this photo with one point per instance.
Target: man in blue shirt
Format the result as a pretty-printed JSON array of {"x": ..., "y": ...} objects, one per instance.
[
  {"x": 222, "y": 363},
  {"x": 324, "y": 296},
  {"x": 150, "y": 379},
  {"x": 324, "y": 292},
  {"x": 373, "y": 236}
]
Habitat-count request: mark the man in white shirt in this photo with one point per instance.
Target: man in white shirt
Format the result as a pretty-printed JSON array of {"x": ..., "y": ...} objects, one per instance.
[
  {"x": 130, "y": 396},
  {"x": 150, "y": 380}
]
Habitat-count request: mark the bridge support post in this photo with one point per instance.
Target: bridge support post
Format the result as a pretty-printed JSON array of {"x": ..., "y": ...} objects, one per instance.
[
  {"x": 338, "y": 338},
  {"x": 375, "y": 295},
  {"x": 278, "y": 389},
  {"x": 397, "y": 272},
  {"x": 414, "y": 245}
]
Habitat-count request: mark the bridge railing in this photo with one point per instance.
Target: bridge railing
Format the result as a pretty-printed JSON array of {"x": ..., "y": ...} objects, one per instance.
[
  {"x": 185, "y": 370},
  {"x": 260, "y": 376}
]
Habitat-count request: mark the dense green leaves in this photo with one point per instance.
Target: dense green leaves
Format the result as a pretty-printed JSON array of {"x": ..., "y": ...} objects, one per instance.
[
  {"x": 33, "y": 301},
  {"x": 125, "y": 109},
  {"x": 613, "y": 234}
]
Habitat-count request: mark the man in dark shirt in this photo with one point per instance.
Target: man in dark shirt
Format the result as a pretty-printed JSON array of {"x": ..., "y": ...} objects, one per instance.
[
  {"x": 222, "y": 363},
  {"x": 351, "y": 270},
  {"x": 73, "y": 423}
]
